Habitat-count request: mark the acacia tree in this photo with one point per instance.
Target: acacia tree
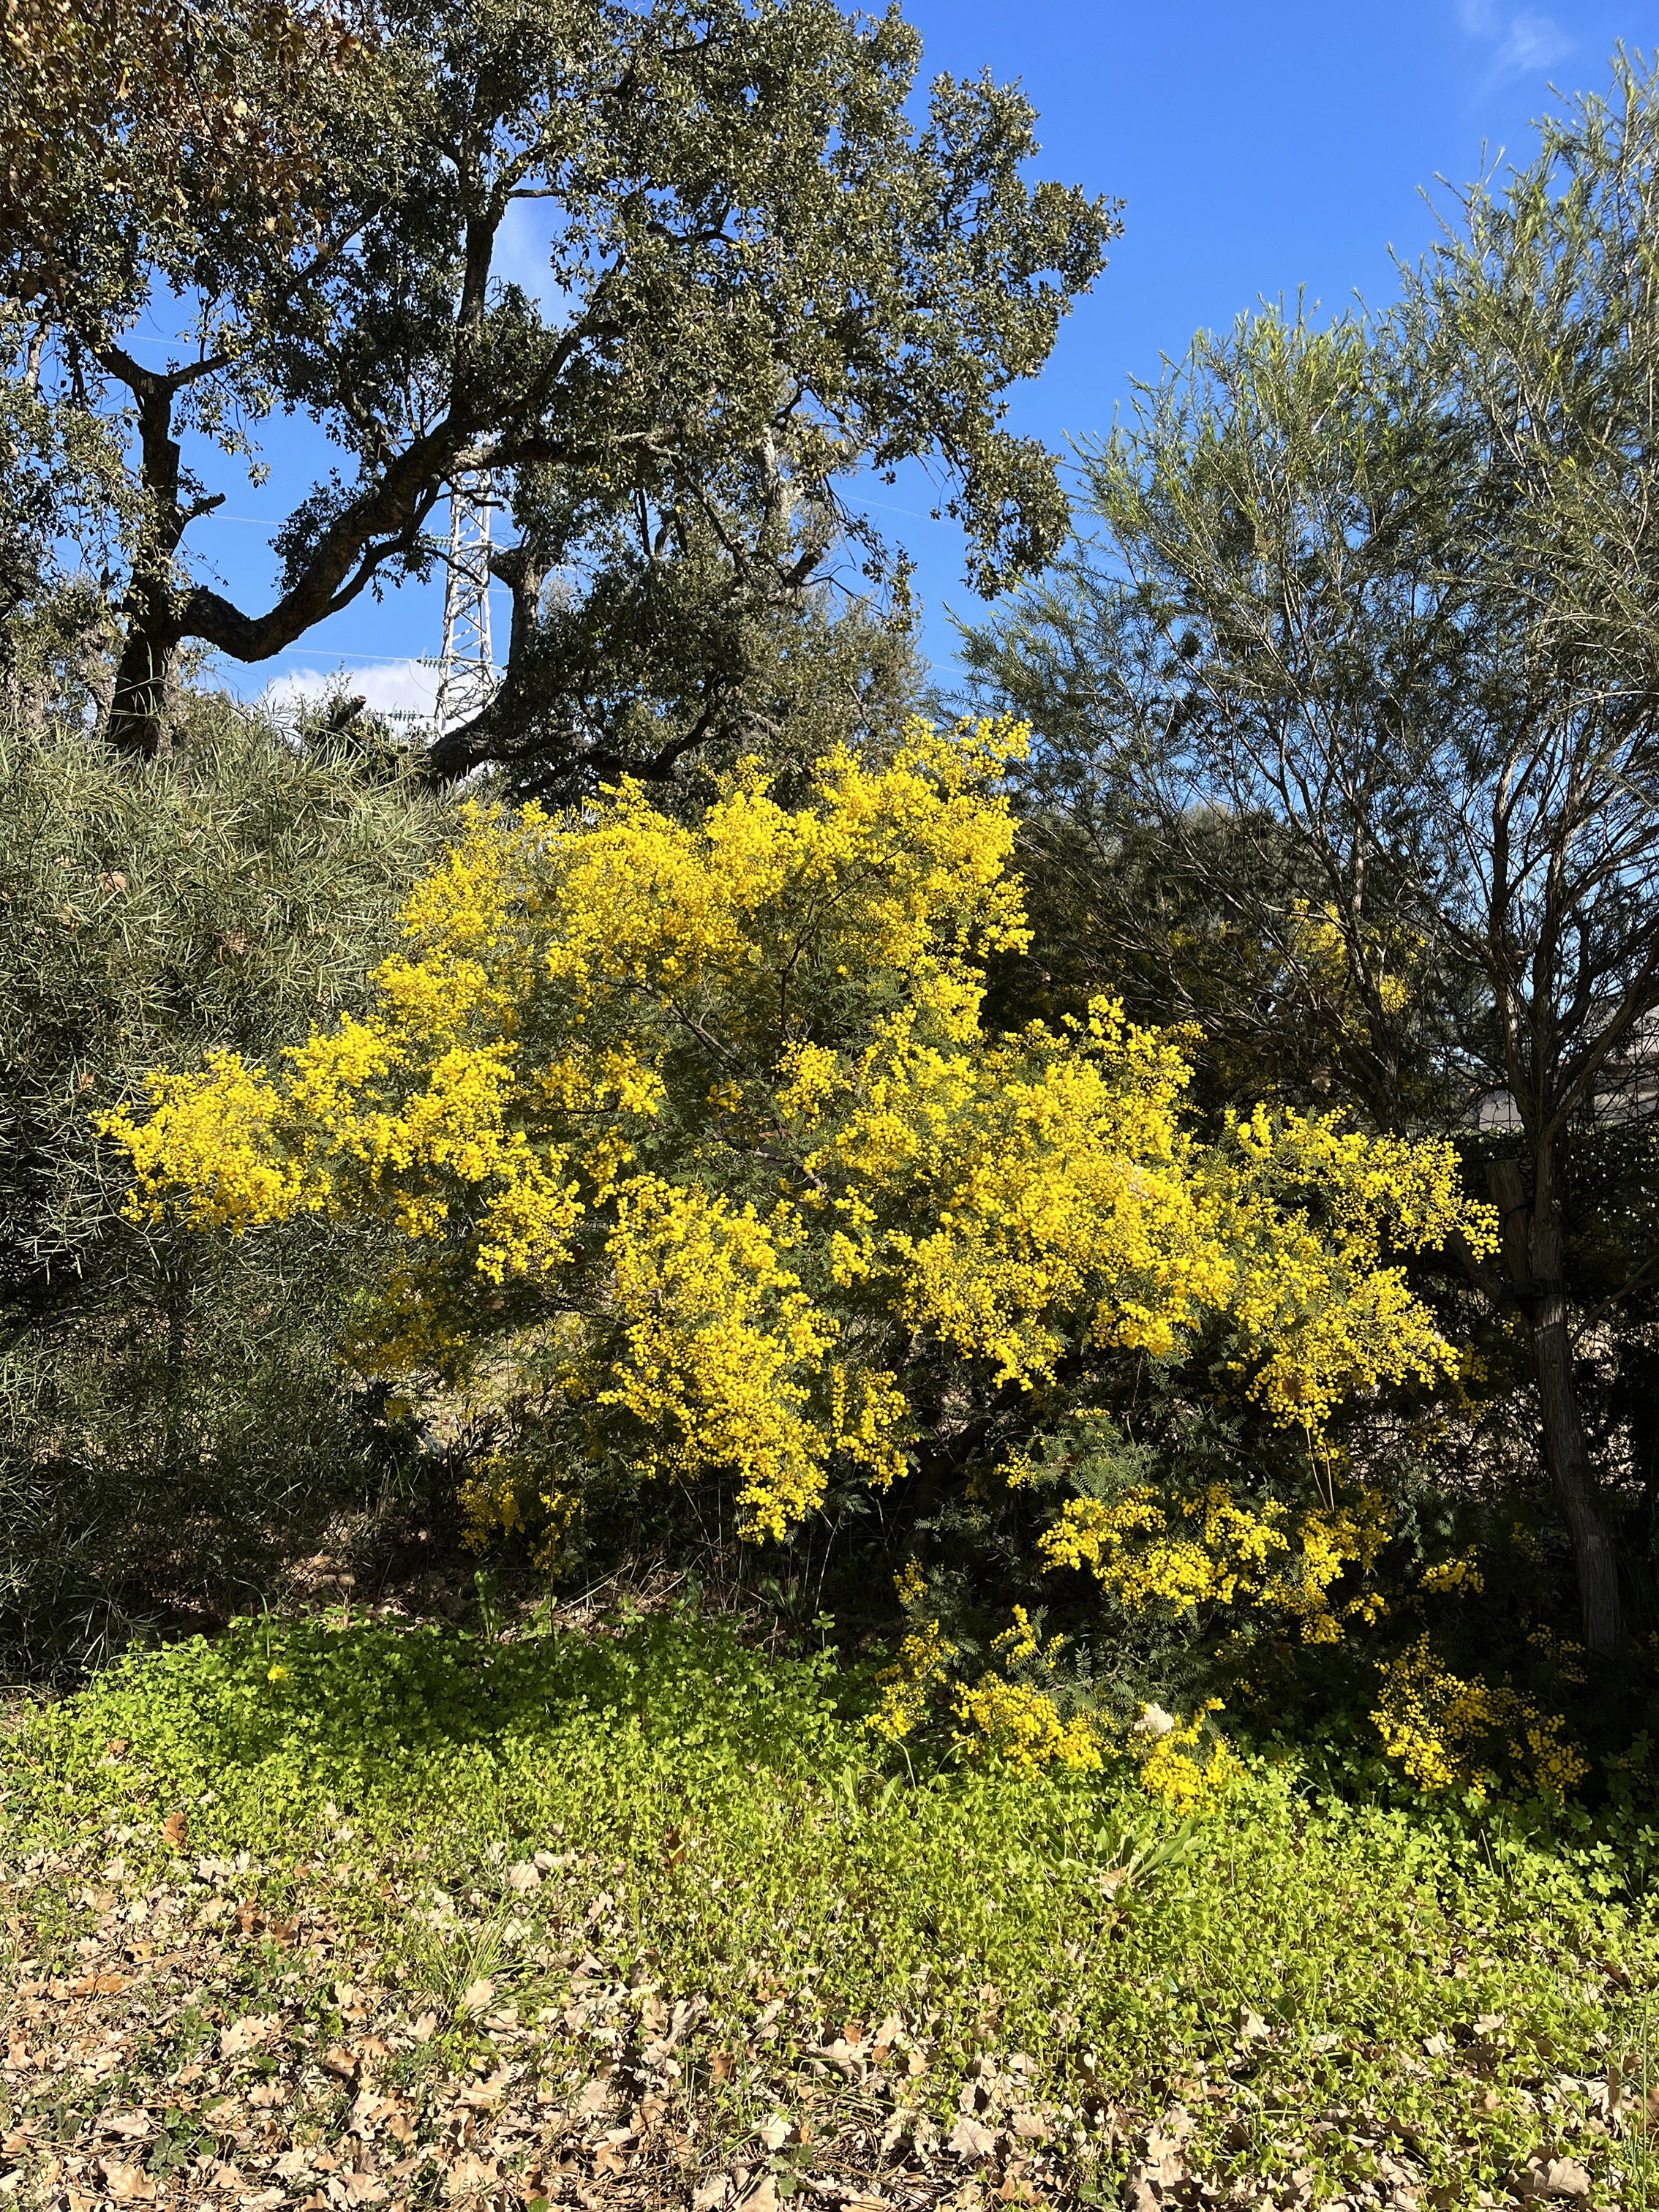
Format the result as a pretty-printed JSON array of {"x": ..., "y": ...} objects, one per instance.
[
  {"x": 760, "y": 277},
  {"x": 702, "y": 1163},
  {"x": 1383, "y": 598}
]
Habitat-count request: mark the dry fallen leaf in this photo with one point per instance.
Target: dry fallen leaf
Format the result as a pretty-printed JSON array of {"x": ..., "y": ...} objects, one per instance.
[
  {"x": 970, "y": 2139},
  {"x": 1562, "y": 2176},
  {"x": 97, "y": 1985},
  {"x": 476, "y": 1995},
  {"x": 773, "y": 2132},
  {"x": 127, "y": 2181},
  {"x": 469, "y": 2174},
  {"x": 174, "y": 1829},
  {"x": 244, "y": 2034}
]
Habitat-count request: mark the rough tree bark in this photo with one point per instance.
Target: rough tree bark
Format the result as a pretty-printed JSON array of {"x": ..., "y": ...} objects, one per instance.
[
  {"x": 139, "y": 719},
  {"x": 1533, "y": 1272}
]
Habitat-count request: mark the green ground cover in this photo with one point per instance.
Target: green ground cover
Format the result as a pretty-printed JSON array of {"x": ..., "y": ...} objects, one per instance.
[{"x": 328, "y": 1914}]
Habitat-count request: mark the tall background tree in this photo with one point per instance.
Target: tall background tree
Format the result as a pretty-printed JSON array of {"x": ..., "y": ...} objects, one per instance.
[
  {"x": 761, "y": 278},
  {"x": 1366, "y": 663}
]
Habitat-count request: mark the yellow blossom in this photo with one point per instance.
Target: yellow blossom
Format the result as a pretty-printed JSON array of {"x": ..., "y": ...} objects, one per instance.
[
  {"x": 907, "y": 1688},
  {"x": 1207, "y": 1549},
  {"x": 702, "y": 1128},
  {"x": 1171, "y": 1770},
  {"x": 1444, "y": 1731}
]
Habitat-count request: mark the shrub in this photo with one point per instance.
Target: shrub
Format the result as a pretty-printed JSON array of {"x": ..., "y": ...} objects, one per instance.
[
  {"x": 168, "y": 1401},
  {"x": 703, "y": 1162}
]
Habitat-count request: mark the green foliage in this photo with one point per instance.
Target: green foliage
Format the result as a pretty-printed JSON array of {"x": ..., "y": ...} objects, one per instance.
[
  {"x": 763, "y": 276},
  {"x": 695, "y": 695},
  {"x": 63, "y": 505},
  {"x": 1322, "y": 1985},
  {"x": 166, "y": 1405},
  {"x": 1361, "y": 685},
  {"x": 280, "y": 1716},
  {"x": 117, "y": 124}
]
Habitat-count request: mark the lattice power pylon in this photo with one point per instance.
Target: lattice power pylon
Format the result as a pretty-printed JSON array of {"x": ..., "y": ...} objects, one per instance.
[{"x": 466, "y": 667}]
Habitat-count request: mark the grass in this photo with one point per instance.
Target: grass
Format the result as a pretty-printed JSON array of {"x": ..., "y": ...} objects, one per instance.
[{"x": 322, "y": 1914}]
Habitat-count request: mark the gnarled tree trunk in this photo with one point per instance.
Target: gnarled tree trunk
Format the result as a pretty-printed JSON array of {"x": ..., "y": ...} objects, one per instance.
[{"x": 137, "y": 719}]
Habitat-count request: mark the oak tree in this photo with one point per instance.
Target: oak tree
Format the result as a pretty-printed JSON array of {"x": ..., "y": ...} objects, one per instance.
[{"x": 761, "y": 277}]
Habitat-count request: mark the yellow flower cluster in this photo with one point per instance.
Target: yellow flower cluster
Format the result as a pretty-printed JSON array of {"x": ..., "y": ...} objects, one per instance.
[
  {"x": 1172, "y": 1769},
  {"x": 1021, "y": 1641},
  {"x": 910, "y": 1585},
  {"x": 1453, "y": 1577},
  {"x": 1320, "y": 950},
  {"x": 1009, "y": 1197},
  {"x": 702, "y": 1122},
  {"x": 492, "y": 1501},
  {"x": 1209, "y": 1549},
  {"x": 1020, "y": 1723},
  {"x": 1443, "y": 1730},
  {"x": 1023, "y": 1725},
  {"x": 722, "y": 1350},
  {"x": 1564, "y": 1655},
  {"x": 908, "y": 1687},
  {"x": 1309, "y": 1207}
]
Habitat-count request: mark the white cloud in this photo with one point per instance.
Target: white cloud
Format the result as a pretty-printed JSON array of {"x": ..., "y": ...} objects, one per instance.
[
  {"x": 389, "y": 687},
  {"x": 1534, "y": 42},
  {"x": 1521, "y": 45}
]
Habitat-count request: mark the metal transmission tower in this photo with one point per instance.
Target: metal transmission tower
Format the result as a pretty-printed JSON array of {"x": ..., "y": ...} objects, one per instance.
[{"x": 466, "y": 667}]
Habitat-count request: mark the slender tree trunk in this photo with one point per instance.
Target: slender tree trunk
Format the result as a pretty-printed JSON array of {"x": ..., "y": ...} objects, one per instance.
[{"x": 1533, "y": 1264}]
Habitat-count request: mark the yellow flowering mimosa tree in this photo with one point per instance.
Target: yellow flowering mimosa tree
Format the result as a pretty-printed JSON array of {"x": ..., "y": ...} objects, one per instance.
[{"x": 697, "y": 1134}]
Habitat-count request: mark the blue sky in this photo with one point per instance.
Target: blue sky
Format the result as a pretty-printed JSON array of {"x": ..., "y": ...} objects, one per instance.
[{"x": 1258, "y": 149}]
